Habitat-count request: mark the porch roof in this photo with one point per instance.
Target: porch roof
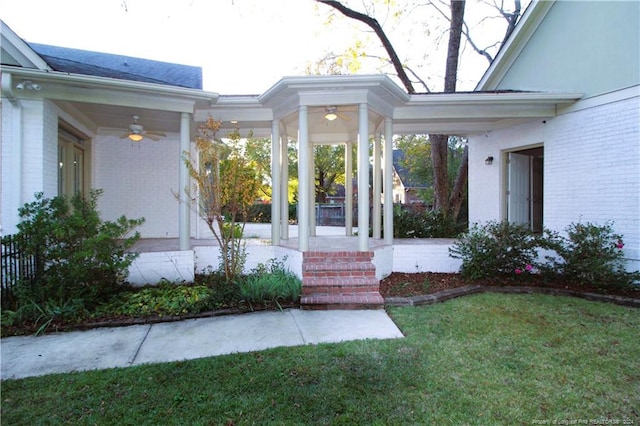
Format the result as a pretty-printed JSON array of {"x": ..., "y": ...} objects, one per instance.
[{"x": 446, "y": 113}]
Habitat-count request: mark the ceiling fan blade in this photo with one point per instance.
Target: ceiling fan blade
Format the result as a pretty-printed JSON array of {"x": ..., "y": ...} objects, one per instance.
[
  {"x": 152, "y": 137},
  {"x": 155, "y": 133},
  {"x": 124, "y": 136},
  {"x": 343, "y": 117}
]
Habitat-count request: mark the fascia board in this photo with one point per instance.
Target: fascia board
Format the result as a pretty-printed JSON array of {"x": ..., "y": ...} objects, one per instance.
[{"x": 77, "y": 81}]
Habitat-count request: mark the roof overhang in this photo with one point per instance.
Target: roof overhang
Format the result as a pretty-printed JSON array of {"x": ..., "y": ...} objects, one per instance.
[{"x": 475, "y": 112}]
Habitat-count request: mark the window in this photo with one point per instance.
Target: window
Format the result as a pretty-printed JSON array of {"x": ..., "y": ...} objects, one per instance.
[{"x": 72, "y": 178}]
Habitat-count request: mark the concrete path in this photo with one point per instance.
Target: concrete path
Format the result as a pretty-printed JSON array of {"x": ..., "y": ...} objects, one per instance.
[{"x": 189, "y": 339}]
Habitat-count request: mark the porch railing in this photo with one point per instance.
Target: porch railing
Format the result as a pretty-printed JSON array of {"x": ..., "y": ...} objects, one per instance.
[{"x": 15, "y": 266}]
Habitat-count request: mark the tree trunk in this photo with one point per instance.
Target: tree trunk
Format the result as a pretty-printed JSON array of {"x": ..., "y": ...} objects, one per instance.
[
  {"x": 439, "y": 153},
  {"x": 439, "y": 143},
  {"x": 457, "y": 193}
]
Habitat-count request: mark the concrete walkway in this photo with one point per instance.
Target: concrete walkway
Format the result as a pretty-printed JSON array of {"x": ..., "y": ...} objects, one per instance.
[{"x": 189, "y": 339}]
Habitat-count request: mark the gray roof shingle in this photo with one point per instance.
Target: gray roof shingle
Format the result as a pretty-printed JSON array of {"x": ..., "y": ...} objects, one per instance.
[{"x": 118, "y": 66}]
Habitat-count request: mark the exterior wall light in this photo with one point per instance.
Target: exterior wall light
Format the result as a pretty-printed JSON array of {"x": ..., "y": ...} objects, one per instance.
[{"x": 489, "y": 161}]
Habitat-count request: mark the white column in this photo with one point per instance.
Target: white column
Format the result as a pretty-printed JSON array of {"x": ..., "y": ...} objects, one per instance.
[
  {"x": 377, "y": 186},
  {"x": 363, "y": 178},
  {"x": 284, "y": 199},
  {"x": 388, "y": 181},
  {"x": 348, "y": 189},
  {"x": 312, "y": 191},
  {"x": 275, "y": 183},
  {"x": 303, "y": 179},
  {"x": 184, "y": 217}
]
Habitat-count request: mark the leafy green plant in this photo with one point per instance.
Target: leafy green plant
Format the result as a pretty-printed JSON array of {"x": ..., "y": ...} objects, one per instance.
[
  {"x": 495, "y": 249},
  {"x": 588, "y": 254},
  {"x": 79, "y": 255},
  {"x": 419, "y": 222},
  {"x": 269, "y": 283},
  {"x": 165, "y": 299}
]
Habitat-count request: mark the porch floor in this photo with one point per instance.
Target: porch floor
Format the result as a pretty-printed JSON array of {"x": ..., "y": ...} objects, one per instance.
[{"x": 328, "y": 238}]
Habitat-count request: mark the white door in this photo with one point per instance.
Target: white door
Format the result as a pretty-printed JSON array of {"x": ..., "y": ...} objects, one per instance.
[{"x": 518, "y": 190}]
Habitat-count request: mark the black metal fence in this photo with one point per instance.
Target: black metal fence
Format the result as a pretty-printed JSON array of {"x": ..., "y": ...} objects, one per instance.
[{"x": 15, "y": 266}]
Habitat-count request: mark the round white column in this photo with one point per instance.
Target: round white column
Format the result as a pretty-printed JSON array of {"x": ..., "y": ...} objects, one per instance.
[
  {"x": 388, "y": 181},
  {"x": 303, "y": 179},
  {"x": 275, "y": 183},
  {"x": 184, "y": 216},
  {"x": 363, "y": 177}
]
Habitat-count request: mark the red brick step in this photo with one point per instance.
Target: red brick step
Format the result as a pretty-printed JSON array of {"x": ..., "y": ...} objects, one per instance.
[{"x": 340, "y": 280}]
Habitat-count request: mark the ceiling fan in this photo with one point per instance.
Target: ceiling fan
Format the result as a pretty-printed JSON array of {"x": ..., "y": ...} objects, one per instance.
[
  {"x": 332, "y": 112},
  {"x": 137, "y": 133}
]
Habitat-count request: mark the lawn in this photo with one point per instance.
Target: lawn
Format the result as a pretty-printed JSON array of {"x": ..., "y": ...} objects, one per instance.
[{"x": 483, "y": 359}]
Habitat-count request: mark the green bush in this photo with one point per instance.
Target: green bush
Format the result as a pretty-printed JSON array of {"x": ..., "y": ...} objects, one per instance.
[
  {"x": 415, "y": 221},
  {"x": 80, "y": 257},
  {"x": 496, "y": 249},
  {"x": 589, "y": 254},
  {"x": 269, "y": 283},
  {"x": 165, "y": 299}
]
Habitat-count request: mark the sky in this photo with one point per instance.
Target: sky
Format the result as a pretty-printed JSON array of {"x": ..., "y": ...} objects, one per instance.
[{"x": 243, "y": 46}]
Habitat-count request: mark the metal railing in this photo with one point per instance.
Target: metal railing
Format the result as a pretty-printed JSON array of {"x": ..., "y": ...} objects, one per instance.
[{"x": 15, "y": 266}]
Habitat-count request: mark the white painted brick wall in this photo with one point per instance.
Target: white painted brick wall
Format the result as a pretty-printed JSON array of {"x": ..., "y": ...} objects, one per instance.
[
  {"x": 138, "y": 180},
  {"x": 591, "y": 169},
  {"x": 151, "y": 268}
]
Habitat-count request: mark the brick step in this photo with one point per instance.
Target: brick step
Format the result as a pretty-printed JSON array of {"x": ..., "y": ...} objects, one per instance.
[
  {"x": 372, "y": 300},
  {"x": 337, "y": 275},
  {"x": 340, "y": 280},
  {"x": 306, "y": 291},
  {"x": 336, "y": 257},
  {"x": 339, "y": 266}
]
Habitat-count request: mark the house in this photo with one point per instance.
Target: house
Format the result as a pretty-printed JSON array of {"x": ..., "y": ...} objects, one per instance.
[
  {"x": 557, "y": 112},
  {"x": 405, "y": 188},
  {"x": 583, "y": 164}
]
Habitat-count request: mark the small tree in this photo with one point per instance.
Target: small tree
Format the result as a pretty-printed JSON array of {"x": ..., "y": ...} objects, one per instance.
[{"x": 224, "y": 188}]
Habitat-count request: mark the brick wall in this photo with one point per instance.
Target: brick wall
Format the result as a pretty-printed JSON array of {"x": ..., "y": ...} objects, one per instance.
[
  {"x": 591, "y": 167},
  {"x": 138, "y": 180}
]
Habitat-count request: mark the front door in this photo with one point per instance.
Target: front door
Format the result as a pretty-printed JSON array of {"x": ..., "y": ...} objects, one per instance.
[
  {"x": 525, "y": 173},
  {"x": 518, "y": 190}
]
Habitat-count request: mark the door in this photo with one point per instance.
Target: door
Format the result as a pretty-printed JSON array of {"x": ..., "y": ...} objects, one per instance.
[{"x": 518, "y": 189}]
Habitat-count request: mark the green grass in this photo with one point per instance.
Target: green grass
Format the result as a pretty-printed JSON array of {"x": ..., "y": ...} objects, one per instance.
[{"x": 484, "y": 359}]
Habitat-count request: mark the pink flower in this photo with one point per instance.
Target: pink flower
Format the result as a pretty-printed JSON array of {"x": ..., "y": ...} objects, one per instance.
[
  {"x": 619, "y": 244},
  {"x": 528, "y": 268},
  {"x": 518, "y": 271}
]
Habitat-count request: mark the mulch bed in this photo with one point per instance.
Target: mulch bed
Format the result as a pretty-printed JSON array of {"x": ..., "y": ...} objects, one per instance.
[
  {"x": 397, "y": 285},
  {"x": 400, "y": 284}
]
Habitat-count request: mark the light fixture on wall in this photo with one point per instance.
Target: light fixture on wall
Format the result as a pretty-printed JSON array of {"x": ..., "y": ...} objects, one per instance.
[
  {"x": 28, "y": 85},
  {"x": 330, "y": 113},
  {"x": 489, "y": 161}
]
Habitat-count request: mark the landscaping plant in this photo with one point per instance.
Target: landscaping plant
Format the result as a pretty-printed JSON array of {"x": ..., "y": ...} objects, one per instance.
[
  {"x": 81, "y": 259},
  {"x": 589, "y": 254},
  {"x": 224, "y": 182},
  {"x": 495, "y": 249},
  {"x": 270, "y": 283}
]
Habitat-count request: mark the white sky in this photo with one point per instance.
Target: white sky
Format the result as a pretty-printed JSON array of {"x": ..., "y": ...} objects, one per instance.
[{"x": 243, "y": 46}]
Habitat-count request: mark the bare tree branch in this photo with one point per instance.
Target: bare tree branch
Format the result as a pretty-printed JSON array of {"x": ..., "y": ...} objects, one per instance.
[{"x": 375, "y": 26}]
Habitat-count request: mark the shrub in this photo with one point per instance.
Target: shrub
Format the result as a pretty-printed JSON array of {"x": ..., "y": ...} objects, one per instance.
[
  {"x": 165, "y": 299},
  {"x": 269, "y": 283},
  {"x": 495, "y": 249},
  {"x": 589, "y": 254},
  {"x": 415, "y": 221},
  {"x": 80, "y": 257}
]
